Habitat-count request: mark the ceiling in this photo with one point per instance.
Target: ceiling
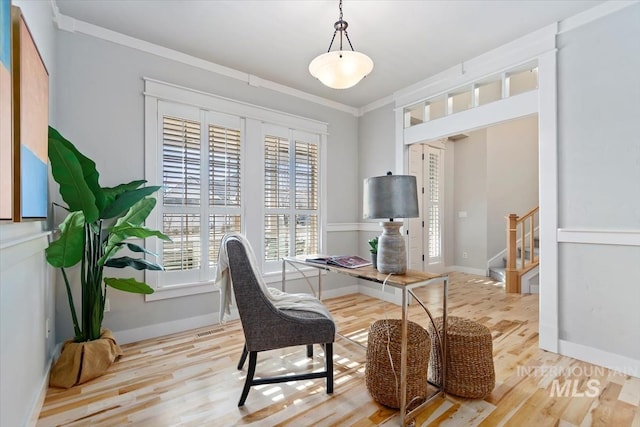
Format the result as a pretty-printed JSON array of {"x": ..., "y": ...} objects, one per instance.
[{"x": 408, "y": 40}]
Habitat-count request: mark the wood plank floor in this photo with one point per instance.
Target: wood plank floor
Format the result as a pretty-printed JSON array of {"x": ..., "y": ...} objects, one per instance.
[{"x": 190, "y": 378}]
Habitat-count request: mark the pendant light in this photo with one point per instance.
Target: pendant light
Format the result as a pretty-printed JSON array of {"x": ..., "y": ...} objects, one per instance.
[{"x": 341, "y": 69}]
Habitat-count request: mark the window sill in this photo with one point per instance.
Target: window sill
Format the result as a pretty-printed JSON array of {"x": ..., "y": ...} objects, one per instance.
[{"x": 181, "y": 290}]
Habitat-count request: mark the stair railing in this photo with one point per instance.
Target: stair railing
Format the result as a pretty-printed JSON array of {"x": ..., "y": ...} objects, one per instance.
[{"x": 526, "y": 225}]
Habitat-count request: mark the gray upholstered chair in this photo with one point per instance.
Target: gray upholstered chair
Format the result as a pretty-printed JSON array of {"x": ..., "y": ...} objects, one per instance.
[{"x": 266, "y": 327}]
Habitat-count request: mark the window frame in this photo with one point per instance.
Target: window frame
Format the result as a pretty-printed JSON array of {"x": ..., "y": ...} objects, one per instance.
[
  {"x": 254, "y": 120},
  {"x": 292, "y": 137}
]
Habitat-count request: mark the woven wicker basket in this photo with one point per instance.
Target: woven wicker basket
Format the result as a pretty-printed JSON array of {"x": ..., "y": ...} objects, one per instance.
[
  {"x": 470, "y": 371},
  {"x": 382, "y": 377}
]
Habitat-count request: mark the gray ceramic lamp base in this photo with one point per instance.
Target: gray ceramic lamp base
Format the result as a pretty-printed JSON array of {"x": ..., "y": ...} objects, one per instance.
[{"x": 392, "y": 254}]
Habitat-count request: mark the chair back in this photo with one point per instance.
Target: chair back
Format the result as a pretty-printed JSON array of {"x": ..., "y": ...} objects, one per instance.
[{"x": 257, "y": 314}]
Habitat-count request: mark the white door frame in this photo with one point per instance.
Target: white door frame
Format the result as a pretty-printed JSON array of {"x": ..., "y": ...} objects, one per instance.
[{"x": 539, "y": 47}]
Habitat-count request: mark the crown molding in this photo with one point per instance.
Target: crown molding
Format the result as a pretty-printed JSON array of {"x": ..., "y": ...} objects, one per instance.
[
  {"x": 72, "y": 25},
  {"x": 593, "y": 14}
]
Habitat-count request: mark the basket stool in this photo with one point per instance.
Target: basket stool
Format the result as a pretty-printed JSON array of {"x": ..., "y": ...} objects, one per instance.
[
  {"x": 381, "y": 377},
  {"x": 470, "y": 372}
]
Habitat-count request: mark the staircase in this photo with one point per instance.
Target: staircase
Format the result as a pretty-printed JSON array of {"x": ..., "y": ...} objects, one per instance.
[
  {"x": 499, "y": 273},
  {"x": 519, "y": 269}
]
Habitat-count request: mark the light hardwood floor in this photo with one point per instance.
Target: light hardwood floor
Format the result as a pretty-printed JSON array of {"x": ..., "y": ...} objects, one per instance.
[{"x": 190, "y": 378}]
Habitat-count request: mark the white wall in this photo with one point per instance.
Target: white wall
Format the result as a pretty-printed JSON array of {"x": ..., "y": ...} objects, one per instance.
[
  {"x": 599, "y": 188},
  {"x": 512, "y": 176},
  {"x": 495, "y": 174},
  {"x": 26, "y": 283},
  {"x": 101, "y": 110},
  {"x": 376, "y": 156},
  {"x": 470, "y": 197}
]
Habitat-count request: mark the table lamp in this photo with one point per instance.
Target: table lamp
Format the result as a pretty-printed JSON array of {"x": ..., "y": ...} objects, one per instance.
[{"x": 391, "y": 196}]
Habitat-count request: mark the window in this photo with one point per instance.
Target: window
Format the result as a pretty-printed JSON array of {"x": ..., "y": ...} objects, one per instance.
[
  {"x": 434, "y": 205},
  {"x": 291, "y": 187},
  {"x": 225, "y": 173}
]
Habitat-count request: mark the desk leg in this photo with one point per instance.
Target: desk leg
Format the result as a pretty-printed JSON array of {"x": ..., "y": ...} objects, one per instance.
[
  {"x": 445, "y": 294},
  {"x": 403, "y": 357}
]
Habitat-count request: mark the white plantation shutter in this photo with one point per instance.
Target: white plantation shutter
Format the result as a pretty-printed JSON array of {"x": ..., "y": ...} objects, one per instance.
[
  {"x": 181, "y": 153},
  {"x": 307, "y": 234},
  {"x": 307, "y": 187},
  {"x": 180, "y": 161},
  {"x": 224, "y": 166},
  {"x": 219, "y": 225},
  {"x": 201, "y": 199},
  {"x": 183, "y": 252},
  {"x": 277, "y": 197},
  {"x": 225, "y": 184},
  {"x": 434, "y": 194},
  {"x": 277, "y": 173},
  {"x": 291, "y": 188}
]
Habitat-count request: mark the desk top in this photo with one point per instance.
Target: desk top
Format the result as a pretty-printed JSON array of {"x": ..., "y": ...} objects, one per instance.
[{"x": 411, "y": 277}]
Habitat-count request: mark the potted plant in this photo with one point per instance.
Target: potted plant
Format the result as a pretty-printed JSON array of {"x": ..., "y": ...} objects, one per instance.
[
  {"x": 373, "y": 248},
  {"x": 100, "y": 222}
]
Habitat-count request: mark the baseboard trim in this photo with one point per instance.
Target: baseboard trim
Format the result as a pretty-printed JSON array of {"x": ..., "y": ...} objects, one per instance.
[
  {"x": 165, "y": 328},
  {"x": 616, "y": 362},
  {"x": 468, "y": 270},
  {"x": 44, "y": 386},
  {"x": 377, "y": 292},
  {"x": 339, "y": 292}
]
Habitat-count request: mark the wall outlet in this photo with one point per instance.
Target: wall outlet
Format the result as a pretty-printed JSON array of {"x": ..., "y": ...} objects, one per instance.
[
  {"x": 47, "y": 328},
  {"x": 107, "y": 306},
  {"x": 465, "y": 255}
]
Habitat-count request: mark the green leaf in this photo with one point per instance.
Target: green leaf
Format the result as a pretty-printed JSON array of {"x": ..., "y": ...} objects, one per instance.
[
  {"x": 138, "y": 212},
  {"x": 135, "y": 248},
  {"x": 88, "y": 166},
  {"x": 110, "y": 193},
  {"x": 126, "y": 230},
  {"x": 137, "y": 263},
  {"x": 128, "y": 285},
  {"x": 122, "y": 231},
  {"x": 67, "y": 172},
  {"x": 67, "y": 250},
  {"x": 126, "y": 200}
]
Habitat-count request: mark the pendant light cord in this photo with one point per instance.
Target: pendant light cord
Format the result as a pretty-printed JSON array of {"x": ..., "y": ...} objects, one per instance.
[{"x": 341, "y": 25}]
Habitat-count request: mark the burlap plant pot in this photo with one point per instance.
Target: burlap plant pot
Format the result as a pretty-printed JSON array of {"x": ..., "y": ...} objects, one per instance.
[{"x": 80, "y": 362}]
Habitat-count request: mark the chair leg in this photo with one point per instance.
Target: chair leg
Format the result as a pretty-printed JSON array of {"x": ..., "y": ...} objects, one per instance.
[
  {"x": 249, "y": 381},
  {"x": 328, "y": 361},
  {"x": 243, "y": 357},
  {"x": 310, "y": 350}
]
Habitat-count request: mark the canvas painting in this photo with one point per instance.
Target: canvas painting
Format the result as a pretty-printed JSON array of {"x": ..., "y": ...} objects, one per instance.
[
  {"x": 6, "y": 134},
  {"x": 30, "y": 125}
]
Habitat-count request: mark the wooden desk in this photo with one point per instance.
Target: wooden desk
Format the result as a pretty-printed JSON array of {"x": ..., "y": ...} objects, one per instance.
[{"x": 406, "y": 282}]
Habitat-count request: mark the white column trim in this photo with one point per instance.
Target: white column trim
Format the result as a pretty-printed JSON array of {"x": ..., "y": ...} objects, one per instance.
[{"x": 548, "y": 199}]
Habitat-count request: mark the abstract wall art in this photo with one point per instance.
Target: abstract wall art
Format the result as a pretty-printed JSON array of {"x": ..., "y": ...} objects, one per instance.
[
  {"x": 6, "y": 133},
  {"x": 30, "y": 123}
]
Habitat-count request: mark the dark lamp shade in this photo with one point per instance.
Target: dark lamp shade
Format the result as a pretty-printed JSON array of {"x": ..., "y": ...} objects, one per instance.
[{"x": 390, "y": 196}]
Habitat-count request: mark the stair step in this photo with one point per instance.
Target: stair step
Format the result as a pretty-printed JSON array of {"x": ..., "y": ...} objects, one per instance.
[
  {"x": 497, "y": 273},
  {"x": 519, "y": 260}
]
